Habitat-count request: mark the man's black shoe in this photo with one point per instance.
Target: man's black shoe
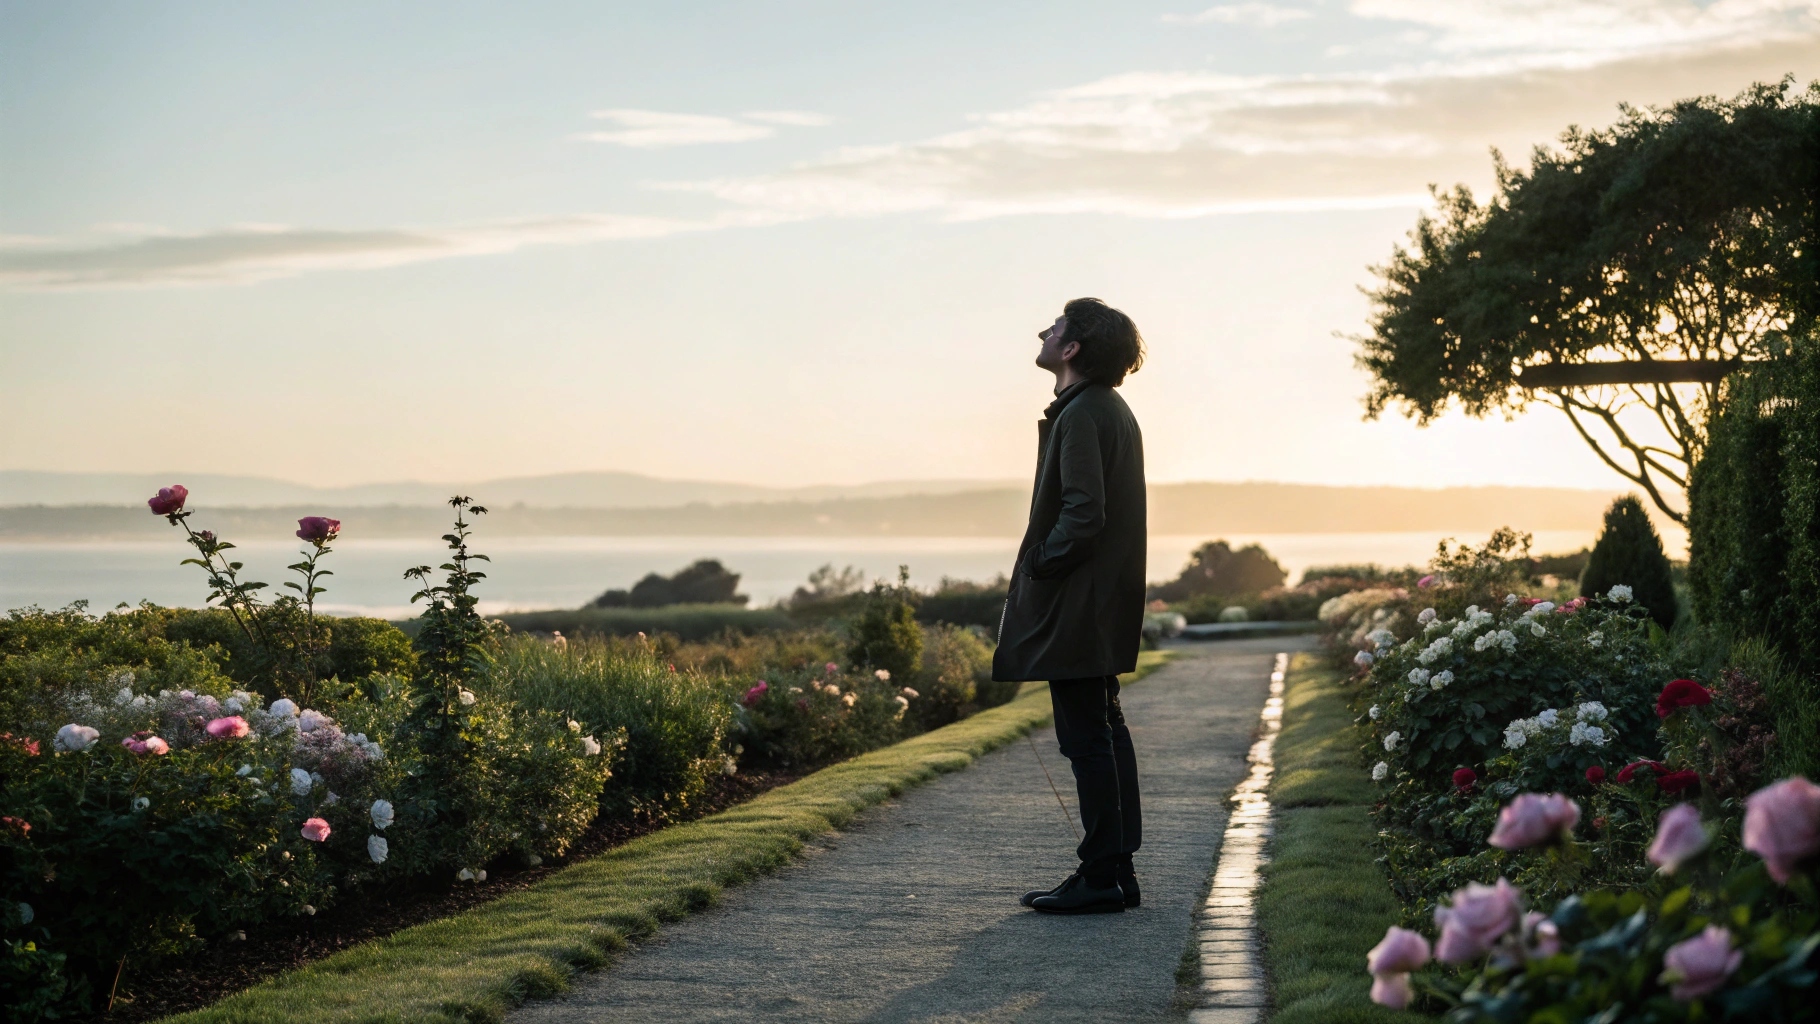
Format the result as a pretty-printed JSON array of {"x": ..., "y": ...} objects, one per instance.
[
  {"x": 1128, "y": 885},
  {"x": 1077, "y": 897},
  {"x": 1029, "y": 898}
]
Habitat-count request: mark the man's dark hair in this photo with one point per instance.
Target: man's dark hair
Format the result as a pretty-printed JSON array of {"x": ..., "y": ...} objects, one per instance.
[{"x": 1111, "y": 346}]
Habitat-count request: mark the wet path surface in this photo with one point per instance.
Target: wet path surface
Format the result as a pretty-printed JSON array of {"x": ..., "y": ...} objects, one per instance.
[{"x": 911, "y": 913}]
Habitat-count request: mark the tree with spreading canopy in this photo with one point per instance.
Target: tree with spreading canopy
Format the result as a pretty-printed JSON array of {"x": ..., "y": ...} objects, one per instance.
[{"x": 1684, "y": 233}]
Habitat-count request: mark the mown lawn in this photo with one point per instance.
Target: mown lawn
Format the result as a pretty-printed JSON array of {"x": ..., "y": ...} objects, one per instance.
[
  {"x": 473, "y": 966},
  {"x": 1324, "y": 901}
]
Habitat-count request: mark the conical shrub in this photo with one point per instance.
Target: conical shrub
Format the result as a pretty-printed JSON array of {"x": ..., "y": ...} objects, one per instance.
[{"x": 1630, "y": 552}]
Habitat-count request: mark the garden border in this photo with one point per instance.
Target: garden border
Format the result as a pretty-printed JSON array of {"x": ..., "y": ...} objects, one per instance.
[
  {"x": 473, "y": 966},
  {"x": 1324, "y": 901}
]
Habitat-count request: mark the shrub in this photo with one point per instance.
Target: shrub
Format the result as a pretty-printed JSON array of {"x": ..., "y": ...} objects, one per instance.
[
  {"x": 956, "y": 664},
  {"x": 1629, "y": 553},
  {"x": 801, "y": 720},
  {"x": 673, "y": 724},
  {"x": 885, "y": 635},
  {"x": 965, "y": 603},
  {"x": 685, "y": 621}
]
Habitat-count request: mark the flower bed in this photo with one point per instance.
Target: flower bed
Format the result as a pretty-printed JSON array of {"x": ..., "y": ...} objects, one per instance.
[
  {"x": 1592, "y": 828},
  {"x": 170, "y": 779}
]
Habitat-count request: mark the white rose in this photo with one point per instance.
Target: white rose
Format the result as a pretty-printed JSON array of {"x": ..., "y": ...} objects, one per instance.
[
  {"x": 1375, "y": 712},
  {"x": 1363, "y": 659},
  {"x": 590, "y": 745},
  {"x": 1379, "y": 771},
  {"x": 1591, "y": 711},
  {"x": 378, "y": 849},
  {"x": 1514, "y": 738},
  {"x": 1548, "y": 718},
  {"x": 73, "y": 737},
  {"x": 1391, "y": 741},
  {"x": 466, "y": 697},
  {"x": 301, "y": 782},
  {"x": 1418, "y": 677},
  {"x": 283, "y": 707},
  {"x": 310, "y": 721},
  {"x": 1427, "y": 616},
  {"x": 1441, "y": 679},
  {"x": 382, "y": 814},
  {"x": 1536, "y": 629},
  {"x": 1619, "y": 593}
]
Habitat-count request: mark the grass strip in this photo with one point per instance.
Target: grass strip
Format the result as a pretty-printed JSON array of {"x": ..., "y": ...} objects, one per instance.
[
  {"x": 1324, "y": 901},
  {"x": 473, "y": 966}
]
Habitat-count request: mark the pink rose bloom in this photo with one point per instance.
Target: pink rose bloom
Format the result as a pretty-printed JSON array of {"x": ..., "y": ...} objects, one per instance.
[
  {"x": 168, "y": 499},
  {"x": 230, "y": 728},
  {"x": 1698, "y": 966},
  {"x": 1398, "y": 952},
  {"x": 1782, "y": 825},
  {"x": 753, "y": 695},
  {"x": 1426, "y": 581},
  {"x": 145, "y": 743},
  {"x": 1571, "y": 607},
  {"x": 318, "y": 529},
  {"x": 832, "y": 668},
  {"x": 1540, "y": 936},
  {"x": 1533, "y": 819},
  {"x": 315, "y": 830},
  {"x": 1391, "y": 990},
  {"x": 1679, "y": 835},
  {"x": 1477, "y": 916}
]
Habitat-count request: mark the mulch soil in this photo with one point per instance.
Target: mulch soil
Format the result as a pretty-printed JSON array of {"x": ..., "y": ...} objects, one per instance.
[{"x": 278, "y": 946}]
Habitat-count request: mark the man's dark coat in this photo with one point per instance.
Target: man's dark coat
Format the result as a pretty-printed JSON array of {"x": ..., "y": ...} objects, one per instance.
[{"x": 1076, "y": 606}]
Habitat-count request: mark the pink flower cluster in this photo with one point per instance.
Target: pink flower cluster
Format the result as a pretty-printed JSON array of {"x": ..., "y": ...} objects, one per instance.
[
  {"x": 755, "y": 694},
  {"x": 1390, "y": 961},
  {"x": 1534, "y": 819},
  {"x": 145, "y": 743}
]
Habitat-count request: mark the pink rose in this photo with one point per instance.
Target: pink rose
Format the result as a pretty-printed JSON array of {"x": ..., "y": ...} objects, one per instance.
[
  {"x": 318, "y": 529},
  {"x": 1398, "y": 952},
  {"x": 1698, "y": 966},
  {"x": 1782, "y": 825},
  {"x": 832, "y": 668},
  {"x": 145, "y": 743},
  {"x": 1477, "y": 917},
  {"x": 168, "y": 499},
  {"x": 1679, "y": 835},
  {"x": 1426, "y": 581},
  {"x": 230, "y": 728},
  {"x": 756, "y": 693},
  {"x": 315, "y": 830},
  {"x": 1533, "y": 819},
  {"x": 1391, "y": 990},
  {"x": 1540, "y": 936}
]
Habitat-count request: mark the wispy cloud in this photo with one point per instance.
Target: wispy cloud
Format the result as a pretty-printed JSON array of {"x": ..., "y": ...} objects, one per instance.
[
  {"x": 1148, "y": 144},
  {"x": 653, "y": 129},
  {"x": 244, "y": 254},
  {"x": 1258, "y": 15}
]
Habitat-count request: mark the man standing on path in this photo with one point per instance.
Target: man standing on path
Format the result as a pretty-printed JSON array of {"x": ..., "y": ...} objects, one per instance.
[{"x": 1075, "y": 610}]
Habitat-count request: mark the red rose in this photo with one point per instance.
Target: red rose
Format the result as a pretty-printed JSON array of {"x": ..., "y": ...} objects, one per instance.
[
  {"x": 318, "y": 529},
  {"x": 1464, "y": 778},
  {"x": 168, "y": 499},
  {"x": 1629, "y": 771},
  {"x": 1675, "y": 782},
  {"x": 1682, "y": 693},
  {"x": 1595, "y": 775}
]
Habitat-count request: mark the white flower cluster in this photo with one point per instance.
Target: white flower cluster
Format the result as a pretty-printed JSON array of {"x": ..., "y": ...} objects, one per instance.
[
  {"x": 1440, "y": 680},
  {"x": 1496, "y": 638},
  {"x": 1418, "y": 677},
  {"x": 1441, "y": 648},
  {"x": 1596, "y": 638},
  {"x": 1619, "y": 593},
  {"x": 1580, "y": 730},
  {"x": 1391, "y": 741},
  {"x": 1427, "y": 616},
  {"x": 1363, "y": 659},
  {"x": 1380, "y": 771},
  {"x": 1381, "y": 637}
]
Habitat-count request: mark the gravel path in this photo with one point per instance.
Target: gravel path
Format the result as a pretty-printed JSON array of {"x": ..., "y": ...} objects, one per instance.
[{"x": 911, "y": 913}]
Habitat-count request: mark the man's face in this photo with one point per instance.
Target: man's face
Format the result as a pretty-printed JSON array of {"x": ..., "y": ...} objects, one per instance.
[{"x": 1055, "y": 351}]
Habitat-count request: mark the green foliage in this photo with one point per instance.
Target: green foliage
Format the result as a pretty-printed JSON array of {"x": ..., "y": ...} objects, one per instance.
[
  {"x": 1215, "y": 568},
  {"x": 1685, "y": 232},
  {"x": 702, "y": 582},
  {"x": 453, "y": 641},
  {"x": 688, "y": 622},
  {"x": 965, "y": 603},
  {"x": 673, "y": 724},
  {"x": 955, "y": 677},
  {"x": 1629, "y": 553},
  {"x": 885, "y": 635}
]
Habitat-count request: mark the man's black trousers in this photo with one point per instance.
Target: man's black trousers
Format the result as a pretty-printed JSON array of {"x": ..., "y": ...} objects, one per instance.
[{"x": 1090, "y": 727}]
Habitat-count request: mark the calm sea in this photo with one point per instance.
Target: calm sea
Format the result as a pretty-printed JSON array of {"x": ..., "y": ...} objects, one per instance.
[{"x": 561, "y": 572}]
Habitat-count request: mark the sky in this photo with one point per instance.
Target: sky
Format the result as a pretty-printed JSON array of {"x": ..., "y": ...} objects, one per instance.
[{"x": 770, "y": 242}]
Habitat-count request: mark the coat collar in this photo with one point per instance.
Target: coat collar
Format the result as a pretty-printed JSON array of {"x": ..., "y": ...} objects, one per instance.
[{"x": 1069, "y": 394}]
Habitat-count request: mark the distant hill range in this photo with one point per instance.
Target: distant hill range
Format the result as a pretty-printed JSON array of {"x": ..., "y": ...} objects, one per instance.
[
  {"x": 557, "y": 490},
  {"x": 1209, "y": 509}
]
